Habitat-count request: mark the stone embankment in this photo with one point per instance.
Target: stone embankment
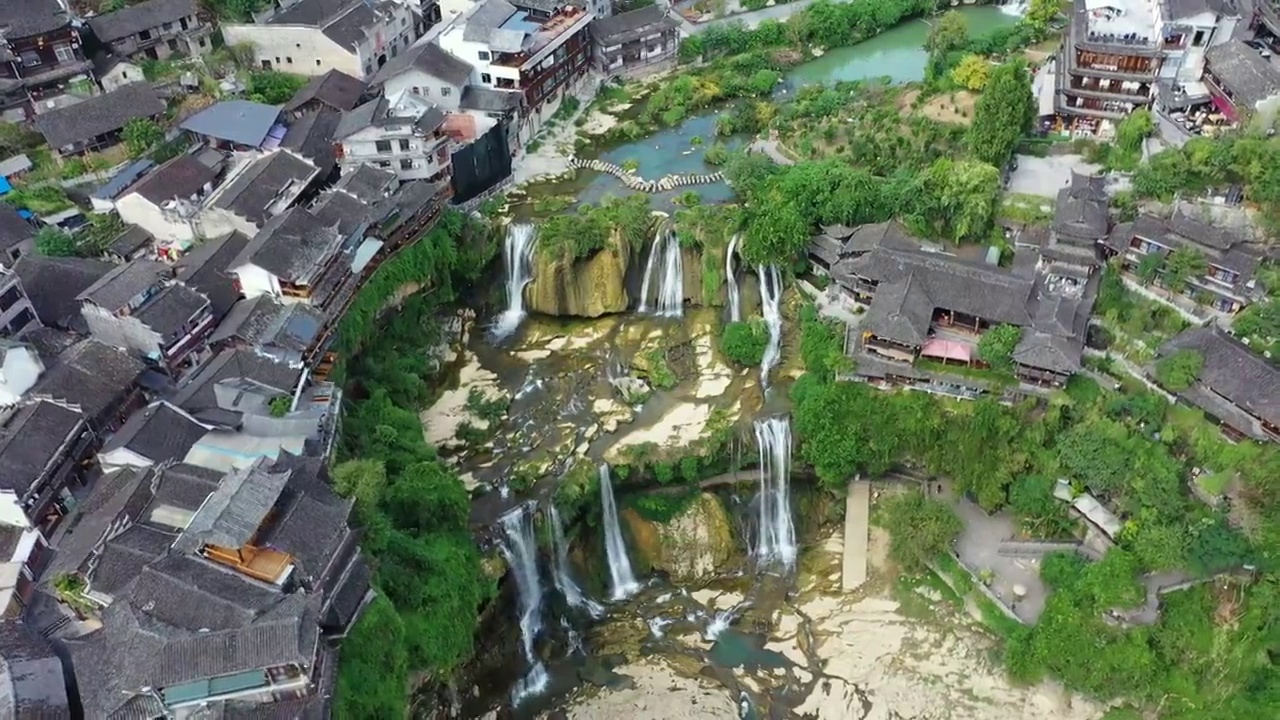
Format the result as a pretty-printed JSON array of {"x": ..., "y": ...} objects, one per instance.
[{"x": 639, "y": 184}]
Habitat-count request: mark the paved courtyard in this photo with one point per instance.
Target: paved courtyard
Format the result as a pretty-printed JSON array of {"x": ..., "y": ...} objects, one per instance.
[{"x": 978, "y": 548}]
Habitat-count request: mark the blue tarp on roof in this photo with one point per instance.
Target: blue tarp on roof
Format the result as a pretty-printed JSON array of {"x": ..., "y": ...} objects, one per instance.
[
  {"x": 237, "y": 121},
  {"x": 123, "y": 179},
  {"x": 5, "y": 187}
]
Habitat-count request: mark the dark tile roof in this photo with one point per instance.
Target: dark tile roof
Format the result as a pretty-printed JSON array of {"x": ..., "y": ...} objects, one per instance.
[
  {"x": 53, "y": 284},
  {"x": 430, "y": 58},
  {"x": 291, "y": 246},
  {"x": 32, "y": 684},
  {"x": 91, "y": 375},
  {"x": 50, "y": 342},
  {"x": 1247, "y": 75},
  {"x": 186, "y": 486},
  {"x": 170, "y": 311},
  {"x": 123, "y": 179},
  {"x": 311, "y": 136},
  {"x": 335, "y": 89},
  {"x": 133, "y": 19},
  {"x": 206, "y": 268},
  {"x": 133, "y": 240},
  {"x": 310, "y": 520},
  {"x": 367, "y": 183},
  {"x": 486, "y": 18},
  {"x": 231, "y": 516},
  {"x": 901, "y": 310},
  {"x": 122, "y": 558},
  {"x": 198, "y": 393},
  {"x": 99, "y": 114},
  {"x": 628, "y": 26},
  {"x": 1190, "y": 222},
  {"x": 242, "y": 122},
  {"x": 343, "y": 209},
  {"x": 32, "y": 440},
  {"x": 118, "y": 288},
  {"x": 253, "y": 192},
  {"x": 1233, "y": 371},
  {"x": 359, "y": 118},
  {"x": 350, "y": 28},
  {"x": 181, "y": 177},
  {"x": 14, "y": 230},
  {"x": 825, "y": 248},
  {"x": 1060, "y": 319},
  {"x": 159, "y": 432},
  {"x": 865, "y": 238},
  {"x": 26, "y": 18},
  {"x": 265, "y": 323},
  {"x": 94, "y": 516},
  {"x": 477, "y": 97},
  {"x": 1220, "y": 245},
  {"x": 1081, "y": 212}
]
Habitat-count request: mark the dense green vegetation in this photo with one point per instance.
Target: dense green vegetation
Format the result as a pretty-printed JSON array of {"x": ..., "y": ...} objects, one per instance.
[
  {"x": 745, "y": 342},
  {"x": 273, "y": 87},
  {"x": 1003, "y": 114},
  {"x": 412, "y": 507},
  {"x": 580, "y": 235},
  {"x": 1204, "y": 164}
]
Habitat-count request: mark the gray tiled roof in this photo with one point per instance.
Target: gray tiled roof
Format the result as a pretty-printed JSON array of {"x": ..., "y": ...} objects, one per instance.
[
  {"x": 32, "y": 684},
  {"x": 312, "y": 135},
  {"x": 1247, "y": 75},
  {"x": 486, "y": 99},
  {"x": 131, "y": 241},
  {"x": 627, "y": 26},
  {"x": 254, "y": 190},
  {"x": 901, "y": 311},
  {"x": 31, "y": 440},
  {"x": 159, "y": 432},
  {"x": 1079, "y": 218},
  {"x": 99, "y": 114},
  {"x": 25, "y": 18},
  {"x": 311, "y": 519},
  {"x": 53, "y": 284},
  {"x": 171, "y": 309},
  {"x": 91, "y": 375},
  {"x": 342, "y": 209},
  {"x": 291, "y": 246},
  {"x": 94, "y": 516},
  {"x": 206, "y": 266},
  {"x": 267, "y": 324},
  {"x": 14, "y": 230},
  {"x": 486, "y": 18},
  {"x": 118, "y": 288},
  {"x": 198, "y": 393},
  {"x": 242, "y": 122},
  {"x": 359, "y": 118},
  {"x": 122, "y": 558},
  {"x": 186, "y": 486},
  {"x": 1233, "y": 371},
  {"x": 430, "y": 58},
  {"x": 181, "y": 177},
  {"x": 231, "y": 516},
  {"x": 367, "y": 183},
  {"x": 133, "y": 19},
  {"x": 336, "y": 89}
]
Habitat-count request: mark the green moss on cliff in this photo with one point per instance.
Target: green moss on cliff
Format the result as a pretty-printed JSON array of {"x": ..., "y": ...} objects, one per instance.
[{"x": 580, "y": 235}]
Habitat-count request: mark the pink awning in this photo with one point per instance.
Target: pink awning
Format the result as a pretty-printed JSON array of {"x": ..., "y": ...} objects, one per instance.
[
  {"x": 1224, "y": 106},
  {"x": 947, "y": 350}
]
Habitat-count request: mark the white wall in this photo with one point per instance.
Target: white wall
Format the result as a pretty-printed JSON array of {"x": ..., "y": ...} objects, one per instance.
[
  {"x": 121, "y": 75},
  {"x": 138, "y": 210},
  {"x": 312, "y": 53},
  {"x": 22, "y": 367},
  {"x": 361, "y": 149},
  {"x": 255, "y": 281},
  {"x": 451, "y": 40},
  {"x": 429, "y": 87},
  {"x": 11, "y": 512},
  {"x": 122, "y": 457}
]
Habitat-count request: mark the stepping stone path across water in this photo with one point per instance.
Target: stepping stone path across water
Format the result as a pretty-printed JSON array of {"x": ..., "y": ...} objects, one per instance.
[{"x": 639, "y": 184}]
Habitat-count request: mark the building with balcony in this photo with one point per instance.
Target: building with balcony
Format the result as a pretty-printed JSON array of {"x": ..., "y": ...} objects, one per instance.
[
  {"x": 403, "y": 134},
  {"x": 41, "y": 53},
  {"x": 312, "y": 37},
  {"x": 635, "y": 43},
  {"x": 96, "y": 123},
  {"x": 1228, "y": 255},
  {"x": 1237, "y": 388},
  {"x": 334, "y": 90},
  {"x": 428, "y": 71},
  {"x": 258, "y": 189},
  {"x": 154, "y": 29},
  {"x": 166, "y": 201},
  {"x": 1109, "y": 62},
  {"x": 295, "y": 258},
  {"x": 17, "y": 316},
  {"x": 540, "y": 56},
  {"x": 1241, "y": 82}
]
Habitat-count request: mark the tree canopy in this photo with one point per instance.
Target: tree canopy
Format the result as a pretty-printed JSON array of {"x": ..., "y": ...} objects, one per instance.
[{"x": 1003, "y": 113}]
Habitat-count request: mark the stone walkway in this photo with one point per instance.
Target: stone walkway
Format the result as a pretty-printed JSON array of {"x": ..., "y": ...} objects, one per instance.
[{"x": 857, "y": 526}]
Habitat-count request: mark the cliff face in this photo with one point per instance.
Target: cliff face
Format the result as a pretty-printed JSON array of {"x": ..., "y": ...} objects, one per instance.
[
  {"x": 588, "y": 287},
  {"x": 694, "y": 544}
]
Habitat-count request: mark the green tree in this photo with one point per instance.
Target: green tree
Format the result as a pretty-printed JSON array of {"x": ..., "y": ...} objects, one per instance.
[
  {"x": 972, "y": 72},
  {"x": 920, "y": 528},
  {"x": 996, "y": 346},
  {"x": 1003, "y": 114},
  {"x": 745, "y": 342},
  {"x": 1132, "y": 131},
  {"x": 947, "y": 34},
  {"x": 776, "y": 233},
  {"x": 375, "y": 667},
  {"x": 1182, "y": 265},
  {"x": 1149, "y": 267},
  {"x": 1039, "y": 14},
  {"x": 140, "y": 135},
  {"x": 427, "y": 497},
  {"x": 363, "y": 480},
  {"x": 956, "y": 199},
  {"x": 54, "y": 242},
  {"x": 1180, "y": 370},
  {"x": 272, "y": 87}
]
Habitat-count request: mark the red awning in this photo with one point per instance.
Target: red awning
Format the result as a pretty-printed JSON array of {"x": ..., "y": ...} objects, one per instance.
[
  {"x": 1224, "y": 106},
  {"x": 947, "y": 350}
]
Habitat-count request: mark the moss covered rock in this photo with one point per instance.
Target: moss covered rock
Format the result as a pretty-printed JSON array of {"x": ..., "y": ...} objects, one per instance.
[
  {"x": 694, "y": 544},
  {"x": 588, "y": 287}
]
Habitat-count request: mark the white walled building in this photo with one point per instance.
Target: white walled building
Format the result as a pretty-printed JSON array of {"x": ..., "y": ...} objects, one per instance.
[
  {"x": 401, "y": 134},
  {"x": 429, "y": 71},
  {"x": 312, "y": 37}
]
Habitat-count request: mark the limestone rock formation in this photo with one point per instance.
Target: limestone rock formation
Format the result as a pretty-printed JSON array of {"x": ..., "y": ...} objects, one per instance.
[
  {"x": 694, "y": 544},
  {"x": 588, "y": 287}
]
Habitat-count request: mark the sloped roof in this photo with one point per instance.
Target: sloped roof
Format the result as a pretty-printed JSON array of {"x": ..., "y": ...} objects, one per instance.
[
  {"x": 133, "y": 239},
  {"x": 486, "y": 99},
  {"x": 312, "y": 135},
  {"x": 367, "y": 183},
  {"x": 237, "y": 121},
  {"x": 335, "y": 89},
  {"x": 198, "y": 393},
  {"x": 206, "y": 267},
  {"x": 485, "y": 18},
  {"x": 91, "y": 375},
  {"x": 117, "y": 288},
  {"x": 25, "y": 18},
  {"x": 13, "y": 229},
  {"x": 32, "y": 684},
  {"x": 627, "y": 26},
  {"x": 1233, "y": 371},
  {"x": 252, "y": 193},
  {"x": 231, "y": 516},
  {"x": 901, "y": 311},
  {"x": 291, "y": 245},
  {"x": 99, "y": 115},
  {"x": 1250, "y": 77},
  {"x": 133, "y": 19},
  {"x": 159, "y": 432},
  {"x": 182, "y": 177},
  {"x": 53, "y": 285},
  {"x": 30, "y": 441},
  {"x": 430, "y": 58},
  {"x": 169, "y": 311}
]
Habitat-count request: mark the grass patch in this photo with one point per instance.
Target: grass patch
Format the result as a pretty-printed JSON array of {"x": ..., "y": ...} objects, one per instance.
[
  {"x": 912, "y": 593},
  {"x": 994, "y": 618}
]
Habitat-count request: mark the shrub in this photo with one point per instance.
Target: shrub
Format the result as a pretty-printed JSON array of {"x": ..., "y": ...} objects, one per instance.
[
  {"x": 1180, "y": 370},
  {"x": 745, "y": 342}
]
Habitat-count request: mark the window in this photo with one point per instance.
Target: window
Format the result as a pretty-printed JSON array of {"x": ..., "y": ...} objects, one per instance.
[
  {"x": 446, "y": 91},
  {"x": 64, "y": 53},
  {"x": 382, "y": 146},
  {"x": 384, "y": 164},
  {"x": 124, "y": 74},
  {"x": 30, "y": 59},
  {"x": 406, "y": 164},
  {"x": 486, "y": 79},
  {"x": 404, "y": 146},
  {"x": 288, "y": 59},
  {"x": 277, "y": 59},
  {"x": 9, "y": 297},
  {"x": 201, "y": 43},
  {"x": 317, "y": 59},
  {"x": 395, "y": 49},
  {"x": 416, "y": 90},
  {"x": 404, "y": 22},
  {"x": 298, "y": 45},
  {"x": 483, "y": 55},
  {"x": 167, "y": 26},
  {"x": 183, "y": 24}
]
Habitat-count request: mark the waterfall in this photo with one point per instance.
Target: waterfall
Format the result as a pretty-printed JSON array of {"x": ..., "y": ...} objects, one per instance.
[
  {"x": 777, "y": 535},
  {"x": 666, "y": 260},
  {"x": 771, "y": 306},
  {"x": 723, "y": 620},
  {"x": 735, "y": 300},
  {"x": 564, "y": 580},
  {"x": 624, "y": 581},
  {"x": 1016, "y": 8},
  {"x": 520, "y": 550},
  {"x": 517, "y": 253}
]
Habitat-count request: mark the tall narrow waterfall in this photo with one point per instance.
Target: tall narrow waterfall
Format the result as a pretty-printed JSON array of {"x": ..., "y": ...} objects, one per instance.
[
  {"x": 777, "y": 535},
  {"x": 517, "y": 254},
  {"x": 564, "y": 579},
  {"x": 520, "y": 550},
  {"x": 665, "y": 259},
  {"x": 623, "y": 580},
  {"x": 735, "y": 299},
  {"x": 771, "y": 306}
]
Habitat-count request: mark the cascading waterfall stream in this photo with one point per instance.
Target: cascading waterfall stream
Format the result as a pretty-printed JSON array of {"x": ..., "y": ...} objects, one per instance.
[
  {"x": 777, "y": 535},
  {"x": 1016, "y": 8},
  {"x": 517, "y": 253},
  {"x": 623, "y": 583},
  {"x": 723, "y": 620},
  {"x": 735, "y": 298},
  {"x": 564, "y": 580},
  {"x": 665, "y": 259},
  {"x": 771, "y": 306},
  {"x": 520, "y": 549}
]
